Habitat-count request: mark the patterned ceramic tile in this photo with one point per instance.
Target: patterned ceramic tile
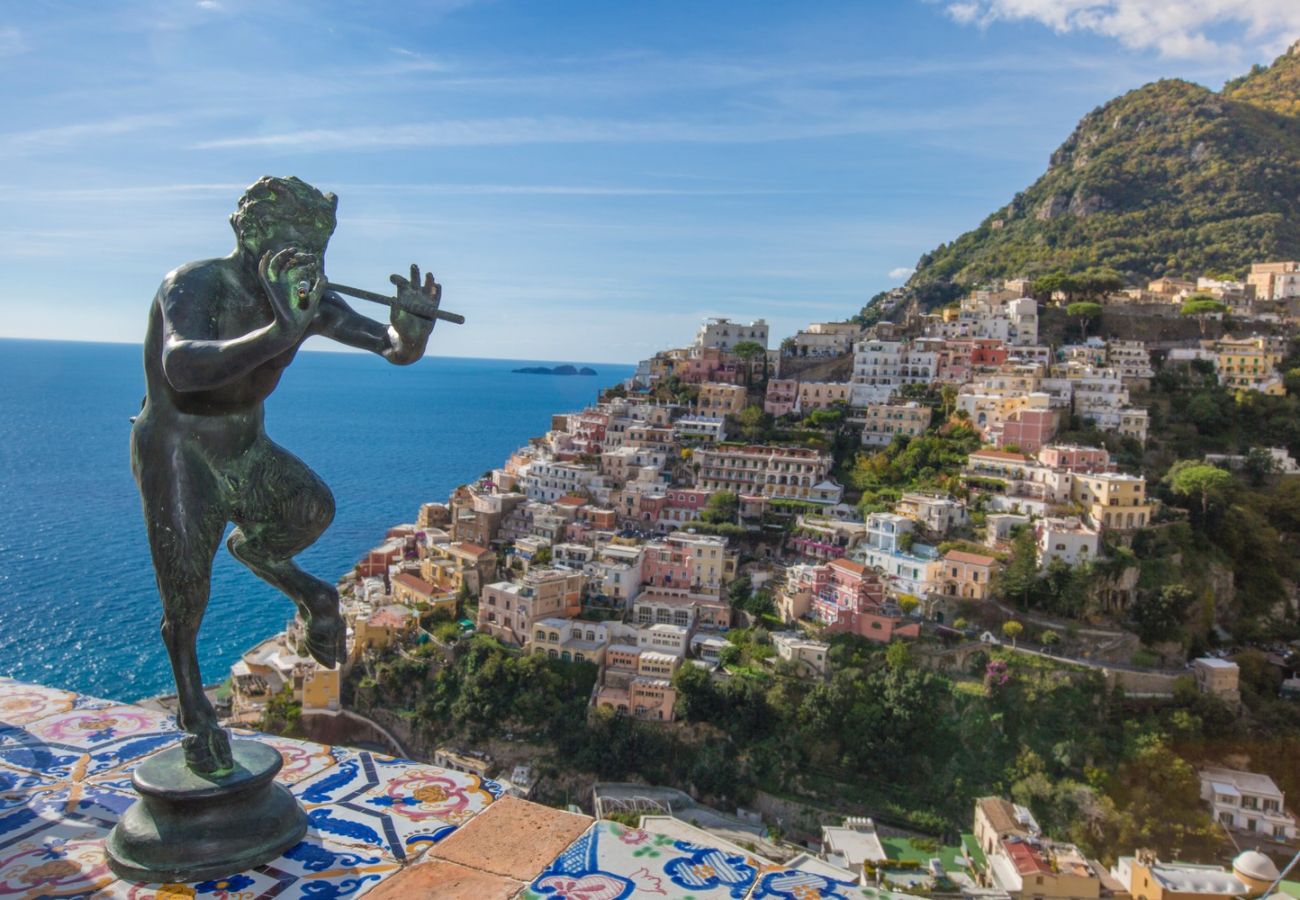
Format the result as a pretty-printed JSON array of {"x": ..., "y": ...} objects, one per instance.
[
  {"x": 89, "y": 729},
  {"x": 62, "y": 859},
  {"x": 52, "y": 803},
  {"x": 315, "y": 867},
  {"x": 22, "y": 753},
  {"x": 22, "y": 704},
  {"x": 369, "y": 800},
  {"x": 611, "y": 862},
  {"x": 793, "y": 884},
  {"x": 302, "y": 759}
]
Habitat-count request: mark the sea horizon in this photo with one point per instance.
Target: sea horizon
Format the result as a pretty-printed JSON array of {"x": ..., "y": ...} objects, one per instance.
[
  {"x": 78, "y": 604},
  {"x": 324, "y": 346}
]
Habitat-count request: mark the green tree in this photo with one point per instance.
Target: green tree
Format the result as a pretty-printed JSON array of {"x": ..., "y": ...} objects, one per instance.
[
  {"x": 722, "y": 506},
  {"x": 1019, "y": 578},
  {"x": 755, "y": 424},
  {"x": 747, "y": 351},
  {"x": 1157, "y": 801},
  {"x": 1085, "y": 311},
  {"x": 1012, "y": 629},
  {"x": 1159, "y": 616},
  {"x": 1049, "y": 638},
  {"x": 1202, "y": 483},
  {"x": 1201, "y": 307}
]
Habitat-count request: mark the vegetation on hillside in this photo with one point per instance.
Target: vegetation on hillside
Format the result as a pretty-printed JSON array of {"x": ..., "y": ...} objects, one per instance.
[{"x": 1171, "y": 178}]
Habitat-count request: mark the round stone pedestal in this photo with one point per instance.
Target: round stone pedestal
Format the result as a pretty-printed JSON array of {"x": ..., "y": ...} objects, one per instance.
[{"x": 190, "y": 827}]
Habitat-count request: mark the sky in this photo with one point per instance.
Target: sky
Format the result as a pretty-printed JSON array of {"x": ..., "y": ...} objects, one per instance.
[{"x": 588, "y": 180}]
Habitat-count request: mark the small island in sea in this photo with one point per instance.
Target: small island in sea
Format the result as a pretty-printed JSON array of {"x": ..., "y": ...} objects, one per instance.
[{"x": 556, "y": 370}]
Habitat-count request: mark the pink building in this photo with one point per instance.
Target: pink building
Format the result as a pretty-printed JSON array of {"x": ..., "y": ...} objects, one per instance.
[
  {"x": 589, "y": 433},
  {"x": 847, "y": 596},
  {"x": 1073, "y": 458},
  {"x": 686, "y": 561},
  {"x": 1028, "y": 429},
  {"x": 638, "y": 683},
  {"x": 782, "y": 394}
]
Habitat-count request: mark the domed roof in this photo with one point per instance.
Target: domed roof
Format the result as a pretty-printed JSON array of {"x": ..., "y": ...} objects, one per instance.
[{"x": 1255, "y": 865}]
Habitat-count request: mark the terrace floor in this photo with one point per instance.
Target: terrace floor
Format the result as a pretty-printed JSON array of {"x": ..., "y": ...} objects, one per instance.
[{"x": 388, "y": 827}]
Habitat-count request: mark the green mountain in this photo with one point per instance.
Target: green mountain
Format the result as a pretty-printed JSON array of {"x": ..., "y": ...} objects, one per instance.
[{"x": 1169, "y": 179}]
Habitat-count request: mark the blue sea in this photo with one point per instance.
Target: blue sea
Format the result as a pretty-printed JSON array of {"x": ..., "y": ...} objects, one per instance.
[{"x": 78, "y": 604}]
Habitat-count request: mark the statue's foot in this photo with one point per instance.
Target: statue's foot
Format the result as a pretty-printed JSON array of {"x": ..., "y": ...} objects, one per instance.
[
  {"x": 208, "y": 751},
  {"x": 327, "y": 637}
]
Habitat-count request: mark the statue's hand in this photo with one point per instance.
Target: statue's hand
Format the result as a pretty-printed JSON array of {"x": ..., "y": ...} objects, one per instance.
[
  {"x": 411, "y": 329},
  {"x": 294, "y": 283}
]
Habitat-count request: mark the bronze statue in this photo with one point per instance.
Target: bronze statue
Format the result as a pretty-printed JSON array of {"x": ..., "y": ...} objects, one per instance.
[{"x": 221, "y": 333}]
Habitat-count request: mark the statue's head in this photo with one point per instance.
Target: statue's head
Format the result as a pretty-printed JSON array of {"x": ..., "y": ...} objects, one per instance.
[{"x": 284, "y": 212}]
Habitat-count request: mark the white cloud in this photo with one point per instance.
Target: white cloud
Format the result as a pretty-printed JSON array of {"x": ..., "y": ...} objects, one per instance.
[
  {"x": 1173, "y": 28},
  {"x": 80, "y": 134},
  {"x": 901, "y": 272}
]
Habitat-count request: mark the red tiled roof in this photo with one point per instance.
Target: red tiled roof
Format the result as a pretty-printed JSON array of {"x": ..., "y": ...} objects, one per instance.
[
  {"x": 849, "y": 566},
  {"x": 1027, "y": 860},
  {"x": 469, "y": 549}
]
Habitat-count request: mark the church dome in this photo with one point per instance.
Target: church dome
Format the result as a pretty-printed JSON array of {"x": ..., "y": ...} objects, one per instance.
[{"x": 1255, "y": 865}]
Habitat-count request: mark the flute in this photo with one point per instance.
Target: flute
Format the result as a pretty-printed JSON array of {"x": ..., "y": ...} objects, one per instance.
[{"x": 422, "y": 308}]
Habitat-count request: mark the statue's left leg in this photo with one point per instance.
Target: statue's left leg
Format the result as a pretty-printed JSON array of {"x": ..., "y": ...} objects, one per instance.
[{"x": 280, "y": 510}]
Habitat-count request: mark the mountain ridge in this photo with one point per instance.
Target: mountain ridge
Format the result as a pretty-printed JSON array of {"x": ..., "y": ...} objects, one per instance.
[{"x": 1171, "y": 178}]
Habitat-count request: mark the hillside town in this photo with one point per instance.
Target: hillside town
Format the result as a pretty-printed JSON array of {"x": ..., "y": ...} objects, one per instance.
[{"x": 972, "y": 482}]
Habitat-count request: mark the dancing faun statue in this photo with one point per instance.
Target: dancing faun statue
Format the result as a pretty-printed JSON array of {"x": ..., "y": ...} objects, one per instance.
[{"x": 221, "y": 333}]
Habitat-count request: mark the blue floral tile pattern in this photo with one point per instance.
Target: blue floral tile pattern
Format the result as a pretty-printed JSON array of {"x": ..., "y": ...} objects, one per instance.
[
  {"x": 371, "y": 800},
  {"x": 65, "y": 779},
  {"x": 794, "y": 884},
  {"x": 611, "y": 862},
  {"x": 63, "y": 859}
]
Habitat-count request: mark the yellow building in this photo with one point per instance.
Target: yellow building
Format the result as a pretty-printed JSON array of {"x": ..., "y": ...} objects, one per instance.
[
  {"x": 321, "y": 688},
  {"x": 720, "y": 399},
  {"x": 414, "y": 591},
  {"x": 1149, "y": 879},
  {"x": 965, "y": 574},
  {"x": 1112, "y": 500},
  {"x": 1250, "y": 364},
  {"x": 381, "y": 628},
  {"x": 459, "y": 564}
]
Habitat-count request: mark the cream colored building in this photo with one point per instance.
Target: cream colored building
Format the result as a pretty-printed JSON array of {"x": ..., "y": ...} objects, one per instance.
[
  {"x": 1218, "y": 677},
  {"x": 882, "y": 421},
  {"x": 822, "y": 394},
  {"x": 1275, "y": 280},
  {"x": 788, "y": 473}
]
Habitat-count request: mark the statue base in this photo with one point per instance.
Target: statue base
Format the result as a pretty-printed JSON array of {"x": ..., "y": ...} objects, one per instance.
[{"x": 191, "y": 827}]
